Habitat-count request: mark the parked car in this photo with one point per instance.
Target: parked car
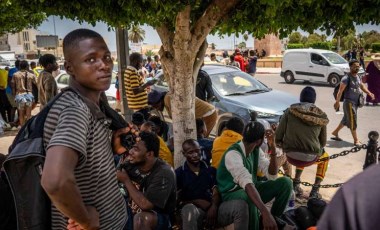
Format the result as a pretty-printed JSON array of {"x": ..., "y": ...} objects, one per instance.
[
  {"x": 63, "y": 81},
  {"x": 314, "y": 65},
  {"x": 238, "y": 94}
]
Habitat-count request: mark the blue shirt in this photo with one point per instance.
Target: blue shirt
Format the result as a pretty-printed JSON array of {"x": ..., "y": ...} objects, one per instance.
[
  {"x": 10, "y": 75},
  {"x": 192, "y": 186},
  {"x": 206, "y": 145}
]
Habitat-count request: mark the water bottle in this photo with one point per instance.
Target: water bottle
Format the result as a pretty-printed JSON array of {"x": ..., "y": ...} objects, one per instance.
[{"x": 292, "y": 201}]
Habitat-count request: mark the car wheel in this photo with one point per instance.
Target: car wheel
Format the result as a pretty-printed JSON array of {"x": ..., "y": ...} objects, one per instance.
[
  {"x": 334, "y": 79},
  {"x": 289, "y": 77}
]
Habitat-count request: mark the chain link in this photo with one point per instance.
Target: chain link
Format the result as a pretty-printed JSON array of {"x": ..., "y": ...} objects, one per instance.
[
  {"x": 311, "y": 185},
  {"x": 345, "y": 152}
]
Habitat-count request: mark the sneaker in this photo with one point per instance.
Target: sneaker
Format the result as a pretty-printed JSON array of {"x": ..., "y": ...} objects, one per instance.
[
  {"x": 297, "y": 188},
  {"x": 314, "y": 193}
]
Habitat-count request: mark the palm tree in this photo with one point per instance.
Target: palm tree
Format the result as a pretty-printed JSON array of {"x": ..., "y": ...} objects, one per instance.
[{"x": 136, "y": 34}]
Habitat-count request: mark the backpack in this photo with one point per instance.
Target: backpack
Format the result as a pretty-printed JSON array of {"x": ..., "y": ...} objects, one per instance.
[
  {"x": 336, "y": 90},
  {"x": 24, "y": 164}
]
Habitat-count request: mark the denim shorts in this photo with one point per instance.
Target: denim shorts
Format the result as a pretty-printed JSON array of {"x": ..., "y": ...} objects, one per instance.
[{"x": 24, "y": 100}]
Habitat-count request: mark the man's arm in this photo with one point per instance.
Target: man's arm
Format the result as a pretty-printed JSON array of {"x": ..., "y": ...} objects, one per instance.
[
  {"x": 364, "y": 88},
  {"x": 323, "y": 136},
  {"x": 137, "y": 196},
  {"x": 342, "y": 87},
  {"x": 141, "y": 88},
  {"x": 209, "y": 90},
  {"x": 58, "y": 181}
]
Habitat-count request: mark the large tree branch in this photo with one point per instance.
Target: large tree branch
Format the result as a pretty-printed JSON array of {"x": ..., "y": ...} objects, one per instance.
[
  {"x": 212, "y": 15},
  {"x": 182, "y": 29},
  {"x": 166, "y": 38}
]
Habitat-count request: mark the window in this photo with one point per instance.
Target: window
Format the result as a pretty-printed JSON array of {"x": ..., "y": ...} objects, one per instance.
[
  {"x": 318, "y": 59},
  {"x": 64, "y": 79}
]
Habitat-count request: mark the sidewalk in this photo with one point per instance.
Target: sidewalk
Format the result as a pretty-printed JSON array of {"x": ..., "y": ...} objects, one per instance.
[{"x": 262, "y": 70}]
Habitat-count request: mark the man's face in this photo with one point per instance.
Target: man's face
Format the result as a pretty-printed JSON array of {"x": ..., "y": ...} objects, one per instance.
[
  {"x": 192, "y": 152},
  {"x": 90, "y": 64},
  {"x": 138, "y": 154},
  {"x": 355, "y": 67},
  {"x": 52, "y": 67}
]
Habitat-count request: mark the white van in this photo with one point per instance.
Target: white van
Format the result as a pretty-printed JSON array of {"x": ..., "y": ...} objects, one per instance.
[{"x": 314, "y": 65}]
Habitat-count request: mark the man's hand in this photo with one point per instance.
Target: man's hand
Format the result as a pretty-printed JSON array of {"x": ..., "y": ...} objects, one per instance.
[
  {"x": 116, "y": 143},
  {"x": 211, "y": 215},
  {"x": 268, "y": 221},
  {"x": 92, "y": 224},
  {"x": 269, "y": 134},
  {"x": 122, "y": 176},
  {"x": 371, "y": 95},
  {"x": 336, "y": 105}
]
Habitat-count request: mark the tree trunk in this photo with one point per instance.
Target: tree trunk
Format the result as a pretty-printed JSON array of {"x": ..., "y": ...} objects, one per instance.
[{"x": 182, "y": 54}]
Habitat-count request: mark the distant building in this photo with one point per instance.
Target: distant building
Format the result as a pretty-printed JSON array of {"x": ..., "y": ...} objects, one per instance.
[
  {"x": 4, "y": 43},
  {"x": 271, "y": 44}
]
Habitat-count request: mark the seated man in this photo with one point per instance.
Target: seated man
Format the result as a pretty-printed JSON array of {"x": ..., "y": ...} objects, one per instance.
[
  {"x": 203, "y": 110},
  {"x": 237, "y": 180},
  {"x": 231, "y": 134},
  {"x": 197, "y": 192},
  {"x": 302, "y": 136},
  {"x": 156, "y": 196},
  {"x": 205, "y": 143},
  {"x": 164, "y": 152}
]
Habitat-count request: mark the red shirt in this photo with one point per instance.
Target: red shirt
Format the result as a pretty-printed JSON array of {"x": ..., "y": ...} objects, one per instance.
[{"x": 240, "y": 59}]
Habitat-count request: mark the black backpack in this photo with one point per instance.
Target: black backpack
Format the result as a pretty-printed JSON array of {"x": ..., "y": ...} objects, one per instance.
[
  {"x": 336, "y": 90},
  {"x": 24, "y": 164}
]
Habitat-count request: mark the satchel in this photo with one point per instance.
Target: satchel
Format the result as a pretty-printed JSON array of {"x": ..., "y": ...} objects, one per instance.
[{"x": 361, "y": 100}]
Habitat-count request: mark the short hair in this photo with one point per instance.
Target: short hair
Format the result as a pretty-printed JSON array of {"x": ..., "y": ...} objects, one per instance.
[
  {"x": 24, "y": 64},
  {"x": 47, "y": 59},
  {"x": 72, "y": 39},
  {"x": 151, "y": 141},
  {"x": 252, "y": 53},
  {"x": 151, "y": 125},
  {"x": 149, "y": 58},
  {"x": 33, "y": 63},
  {"x": 189, "y": 142},
  {"x": 235, "y": 124},
  {"x": 352, "y": 62},
  {"x": 134, "y": 58},
  {"x": 232, "y": 57},
  {"x": 212, "y": 55},
  {"x": 253, "y": 131},
  {"x": 17, "y": 63},
  {"x": 156, "y": 120},
  {"x": 156, "y": 56},
  {"x": 308, "y": 94},
  {"x": 200, "y": 124}
]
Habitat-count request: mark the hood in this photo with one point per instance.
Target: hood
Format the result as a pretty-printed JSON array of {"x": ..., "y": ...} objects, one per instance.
[
  {"x": 309, "y": 114},
  {"x": 273, "y": 102}
]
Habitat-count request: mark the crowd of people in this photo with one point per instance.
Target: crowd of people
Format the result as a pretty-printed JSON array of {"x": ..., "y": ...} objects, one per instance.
[{"x": 95, "y": 179}]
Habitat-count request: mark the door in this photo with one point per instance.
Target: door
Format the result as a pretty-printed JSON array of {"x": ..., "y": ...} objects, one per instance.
[{"x": 318, "y": 68}]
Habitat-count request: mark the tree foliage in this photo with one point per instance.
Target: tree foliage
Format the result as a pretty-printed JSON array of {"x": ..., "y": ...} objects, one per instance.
[
  {"x": 150, "y": 53},
  {"x": 16, "y": 17},
  {"x": 295, "y": 37},
  {"x": 295, "y": 46},
  {"x": 136, "y": 34},
  {"x": 242, "y": 45},
  {"x": 368, "y": 38}
]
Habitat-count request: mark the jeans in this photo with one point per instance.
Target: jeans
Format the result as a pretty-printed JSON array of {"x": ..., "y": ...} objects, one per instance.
[
  {"x": 192, "y": 217},
  {"x": 234, "y": 212}
]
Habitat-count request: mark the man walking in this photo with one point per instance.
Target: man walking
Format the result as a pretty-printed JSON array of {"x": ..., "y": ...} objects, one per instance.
[{"x": 351, "y": 86}]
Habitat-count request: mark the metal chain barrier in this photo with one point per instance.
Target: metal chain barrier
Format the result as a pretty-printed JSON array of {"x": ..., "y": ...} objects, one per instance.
[{"x": 343, "y": 153}]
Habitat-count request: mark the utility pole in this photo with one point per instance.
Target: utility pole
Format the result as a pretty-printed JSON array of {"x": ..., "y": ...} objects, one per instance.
[{"x": 123, "y": 61}]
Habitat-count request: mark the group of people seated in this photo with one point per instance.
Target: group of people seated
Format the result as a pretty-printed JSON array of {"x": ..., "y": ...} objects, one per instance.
[{"x": 223, "y": 181}]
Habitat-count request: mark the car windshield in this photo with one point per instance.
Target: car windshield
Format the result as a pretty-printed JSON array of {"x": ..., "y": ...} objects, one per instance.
[
  {"x": 334, "y": 58},
  {"x": 236, "y": 83}
]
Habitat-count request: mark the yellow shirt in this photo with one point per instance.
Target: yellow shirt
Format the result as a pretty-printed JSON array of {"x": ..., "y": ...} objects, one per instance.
[
  {"x": 165, "y": 154},
  {"x": 3, "y": 78},
  {"x": 222, "y": 143},
  {"x": 202, "y": 108}
]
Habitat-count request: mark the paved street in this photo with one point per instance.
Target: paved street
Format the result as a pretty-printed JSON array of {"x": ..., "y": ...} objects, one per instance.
[{"x": 341, "y": 168}]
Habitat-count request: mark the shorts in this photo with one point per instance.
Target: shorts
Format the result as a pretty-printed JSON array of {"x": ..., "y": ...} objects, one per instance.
[
  {"x": 350, "y": 115},
  {"x": 24, "y": 100}
]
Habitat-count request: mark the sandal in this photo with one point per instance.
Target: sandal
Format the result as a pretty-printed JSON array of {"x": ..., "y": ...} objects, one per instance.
[
  {"x": 358, "y": 144},
  {"x": 336, "y": 138}
]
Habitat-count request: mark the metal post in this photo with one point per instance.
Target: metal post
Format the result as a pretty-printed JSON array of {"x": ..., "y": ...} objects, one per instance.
[
  {"x": 371, "y": 156},
  {"x": 123, "y": 61}
]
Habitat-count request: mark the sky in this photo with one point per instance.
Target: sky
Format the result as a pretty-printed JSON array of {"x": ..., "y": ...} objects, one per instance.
[{"x": 64, "y": 26}]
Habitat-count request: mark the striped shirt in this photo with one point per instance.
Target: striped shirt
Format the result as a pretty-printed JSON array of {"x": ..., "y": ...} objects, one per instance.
[
  {"x": 133, "y": 80},
  {"x": 81, "y": 126}
]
